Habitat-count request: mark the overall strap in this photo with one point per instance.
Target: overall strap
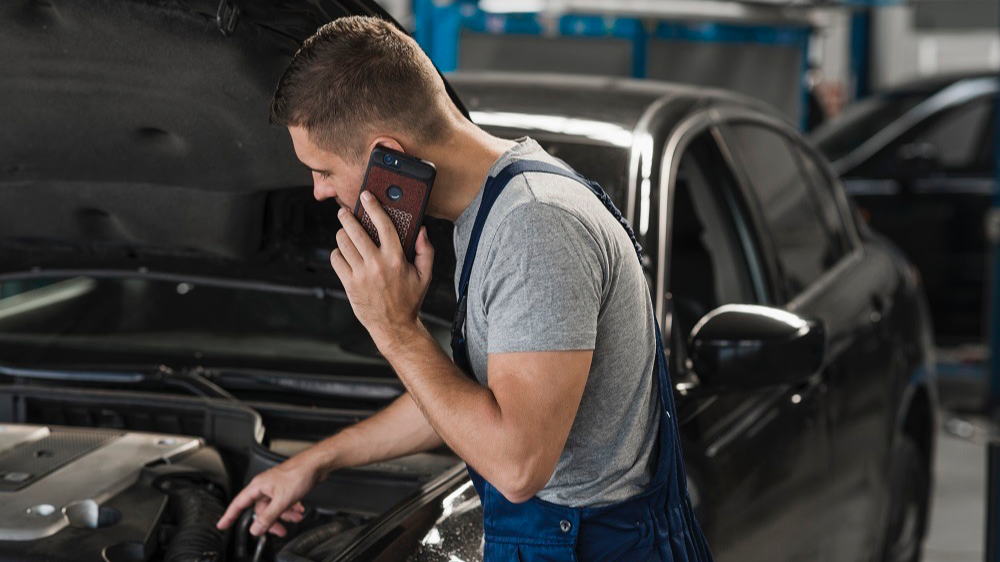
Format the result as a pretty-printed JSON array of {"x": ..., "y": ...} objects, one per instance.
[{"x": 491, "y": 192}]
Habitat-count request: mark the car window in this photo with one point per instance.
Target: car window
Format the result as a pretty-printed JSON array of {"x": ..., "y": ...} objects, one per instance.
[
  {"x": 863, "y": 120},
  {"x": 958, "y": 138},
  {"x": 792, "y": 211},
  {"x": 957, "y": 134},
  {"x": 712, "y": 261},
  {"x": 987, "y": 148}
]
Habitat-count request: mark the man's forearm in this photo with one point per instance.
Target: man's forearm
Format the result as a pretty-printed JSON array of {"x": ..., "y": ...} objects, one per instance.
[
  {"x": 399, "y": 429},
  {"x": 465, "y": 414}
]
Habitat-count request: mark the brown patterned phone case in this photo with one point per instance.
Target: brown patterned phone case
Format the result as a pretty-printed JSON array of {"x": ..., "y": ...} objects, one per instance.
[{"x": 402, "y": 184}]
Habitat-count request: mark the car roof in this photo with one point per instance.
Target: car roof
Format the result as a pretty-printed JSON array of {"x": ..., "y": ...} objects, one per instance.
[
  {"x": 931, "y": 84},
  {"x": 579, "y": 100}
]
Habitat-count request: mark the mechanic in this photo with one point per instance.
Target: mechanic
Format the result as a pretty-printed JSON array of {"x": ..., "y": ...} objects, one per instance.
[{"x": 567, "y": 425}]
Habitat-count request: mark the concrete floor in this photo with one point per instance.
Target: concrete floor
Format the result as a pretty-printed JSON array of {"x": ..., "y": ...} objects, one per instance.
[{"x": 958, "y": 511}]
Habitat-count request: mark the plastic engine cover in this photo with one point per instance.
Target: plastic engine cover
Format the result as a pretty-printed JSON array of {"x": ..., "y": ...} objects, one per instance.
[{"x": 88, "y": 494}]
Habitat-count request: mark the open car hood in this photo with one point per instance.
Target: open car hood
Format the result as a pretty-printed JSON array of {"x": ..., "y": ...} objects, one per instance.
[{"x": 135, "y": 137}]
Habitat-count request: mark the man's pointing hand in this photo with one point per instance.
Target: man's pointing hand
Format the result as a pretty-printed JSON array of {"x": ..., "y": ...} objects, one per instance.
[{"x": 274, "y": 495}]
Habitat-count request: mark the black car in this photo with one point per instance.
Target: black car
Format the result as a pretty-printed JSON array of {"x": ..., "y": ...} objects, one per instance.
[
  {"x": 170, "y": 325},
  {"x": 919, "y": 162}
]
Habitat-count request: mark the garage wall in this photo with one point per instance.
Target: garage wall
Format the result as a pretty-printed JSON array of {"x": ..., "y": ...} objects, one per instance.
[
  {"x": 913, "y": 41},
  {"x": 767, "y": 72},
  {"x": 829, "y": 47},
  {"x": 606, "y": 56},
  {"x": 400, "y": 10}
]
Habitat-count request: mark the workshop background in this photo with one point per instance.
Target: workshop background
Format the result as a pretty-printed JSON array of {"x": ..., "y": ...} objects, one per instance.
[
  {"x": 822, "y": 249},
  {"x": 813, "y": 60}
]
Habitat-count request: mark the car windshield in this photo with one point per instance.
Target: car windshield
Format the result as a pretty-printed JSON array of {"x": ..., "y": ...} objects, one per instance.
[
  {"x": 108, "y": 321},
  {"x": 862, "y": 121}
]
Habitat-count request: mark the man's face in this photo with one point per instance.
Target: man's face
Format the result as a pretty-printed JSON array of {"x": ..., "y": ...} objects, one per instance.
[{"x": 332, "y": 175}]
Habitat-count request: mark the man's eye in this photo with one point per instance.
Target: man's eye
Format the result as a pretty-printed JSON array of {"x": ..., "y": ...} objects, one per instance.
[{"x": 324, "y": 175}]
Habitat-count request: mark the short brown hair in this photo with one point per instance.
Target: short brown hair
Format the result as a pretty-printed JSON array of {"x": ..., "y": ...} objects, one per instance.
[{"x": 357, "y": 75}]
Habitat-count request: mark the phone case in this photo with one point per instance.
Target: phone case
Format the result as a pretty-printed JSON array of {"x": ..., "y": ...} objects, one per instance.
[{"x": 414, "y": 177}]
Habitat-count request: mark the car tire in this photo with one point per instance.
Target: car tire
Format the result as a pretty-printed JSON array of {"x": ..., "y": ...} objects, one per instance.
[{"x": 908, "y": 504}]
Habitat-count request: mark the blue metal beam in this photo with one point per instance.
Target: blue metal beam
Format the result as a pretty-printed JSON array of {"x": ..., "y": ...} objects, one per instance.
[
  {"x": 640, "y": 42},
  {"x": 423, "y": 16},
  {"x": 446, "y": 30},
  {"x": 861, "y": 52}
]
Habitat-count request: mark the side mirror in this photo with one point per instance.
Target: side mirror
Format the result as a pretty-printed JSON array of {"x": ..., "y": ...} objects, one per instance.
[{"x": 754, "y": 346}]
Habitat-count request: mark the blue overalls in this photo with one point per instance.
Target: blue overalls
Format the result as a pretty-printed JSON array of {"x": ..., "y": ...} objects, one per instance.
[{"x": 658, "y": 524}]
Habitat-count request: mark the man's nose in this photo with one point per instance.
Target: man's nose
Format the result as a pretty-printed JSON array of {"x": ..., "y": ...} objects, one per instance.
[{"x": 322, "y": 191}]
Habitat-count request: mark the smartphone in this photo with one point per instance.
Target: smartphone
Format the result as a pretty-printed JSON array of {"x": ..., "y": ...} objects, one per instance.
[{"x": 402, "y": 184}]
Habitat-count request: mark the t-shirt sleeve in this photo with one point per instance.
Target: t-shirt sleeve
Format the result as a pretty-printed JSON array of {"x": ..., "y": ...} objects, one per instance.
[{"x": 543, "y": 287}]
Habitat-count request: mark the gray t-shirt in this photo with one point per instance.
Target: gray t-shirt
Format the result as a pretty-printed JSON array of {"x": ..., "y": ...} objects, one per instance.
[{"x": 556, "y": 271}]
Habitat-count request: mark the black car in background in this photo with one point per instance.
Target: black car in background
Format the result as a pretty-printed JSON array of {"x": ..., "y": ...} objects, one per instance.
[
  {"x": 744, "y": 223},
  {"x": 918, "y": 160},
  {"x": 170, "y": 325}
]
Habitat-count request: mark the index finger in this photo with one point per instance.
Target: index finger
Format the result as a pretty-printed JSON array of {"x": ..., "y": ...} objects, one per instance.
[
  {"x": 359, "y": 236},
  {"x": 243, "y": 500},
  {"x": 383, "y": 224}
]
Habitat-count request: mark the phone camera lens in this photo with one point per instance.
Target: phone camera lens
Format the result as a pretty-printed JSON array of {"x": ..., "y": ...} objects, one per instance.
[
  {"x": 387, "y": 159},
  {"x": 395, "y": 192}
]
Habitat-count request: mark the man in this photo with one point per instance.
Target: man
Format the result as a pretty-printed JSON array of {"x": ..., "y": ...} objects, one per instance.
[{"x": 564, "y": 416}]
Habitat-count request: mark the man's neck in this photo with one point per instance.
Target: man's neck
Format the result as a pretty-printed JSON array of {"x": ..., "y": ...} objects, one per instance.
[{"x": 462, "y": 164}]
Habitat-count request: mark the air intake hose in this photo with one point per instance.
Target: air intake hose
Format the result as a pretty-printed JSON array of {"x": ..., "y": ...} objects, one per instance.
[{"x": 196, "y": 511}]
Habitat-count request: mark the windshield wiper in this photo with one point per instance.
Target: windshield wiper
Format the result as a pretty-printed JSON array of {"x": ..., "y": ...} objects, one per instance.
[
  {"x": 211, "y": 383},
  {"x": 192, "y": 381},
  {"x": 72, "y": 375},
  {"x": 361, "y": 388},
  {"x": 145, "y": 273}
]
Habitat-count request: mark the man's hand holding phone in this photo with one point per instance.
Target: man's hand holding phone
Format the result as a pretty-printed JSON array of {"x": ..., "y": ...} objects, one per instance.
[{"x": 384, "y": 289}]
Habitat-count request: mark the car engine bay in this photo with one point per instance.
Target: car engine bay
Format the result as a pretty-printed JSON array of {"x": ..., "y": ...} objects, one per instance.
[{"x": 86, "y": 474}]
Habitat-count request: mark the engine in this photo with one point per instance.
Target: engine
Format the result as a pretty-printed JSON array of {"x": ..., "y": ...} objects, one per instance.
[{"x": 71, "y": 494}]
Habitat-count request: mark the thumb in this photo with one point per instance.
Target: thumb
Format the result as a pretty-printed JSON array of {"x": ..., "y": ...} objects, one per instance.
[{"x": 424, "y": 259}]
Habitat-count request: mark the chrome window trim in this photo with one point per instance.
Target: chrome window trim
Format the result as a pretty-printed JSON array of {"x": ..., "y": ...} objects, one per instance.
[
  {"x": 765, "y": 251},
  {"x": 641, "y": 133},
  {"x": 678, "y": 140},
  {"x": 757, "y": 261}
]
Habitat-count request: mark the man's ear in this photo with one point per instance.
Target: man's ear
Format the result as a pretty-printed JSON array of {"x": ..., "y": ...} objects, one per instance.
[{"x": 387, "y": 142}]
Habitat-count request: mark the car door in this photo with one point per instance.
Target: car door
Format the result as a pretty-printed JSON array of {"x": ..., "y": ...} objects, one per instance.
[
  {"x": 928, "y": 192},
  {"x": 757, "y": 457},
  {"x": 824, "y": 274}
]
